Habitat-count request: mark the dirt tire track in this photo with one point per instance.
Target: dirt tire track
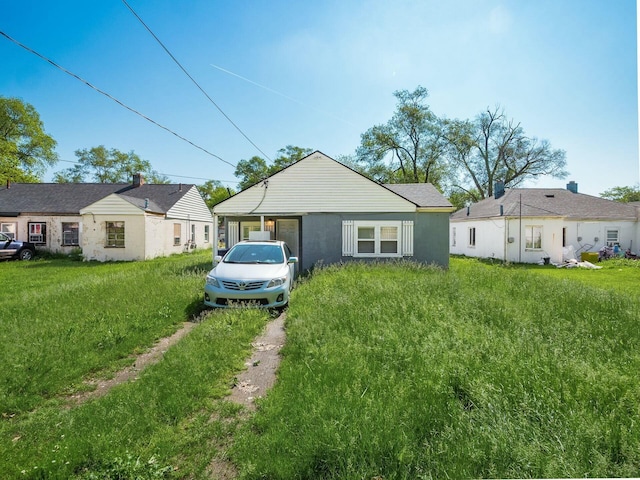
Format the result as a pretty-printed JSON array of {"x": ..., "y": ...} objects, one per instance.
[{"x": 151, "y": 356}]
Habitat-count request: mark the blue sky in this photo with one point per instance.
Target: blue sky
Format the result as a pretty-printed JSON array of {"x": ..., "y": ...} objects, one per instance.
[{"x": 566, "y": 70}]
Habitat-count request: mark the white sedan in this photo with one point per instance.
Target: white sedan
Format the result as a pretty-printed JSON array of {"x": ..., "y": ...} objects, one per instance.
[{"x": 254, "y": 272}]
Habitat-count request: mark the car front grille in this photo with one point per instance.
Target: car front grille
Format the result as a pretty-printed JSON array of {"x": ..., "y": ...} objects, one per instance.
[{"x": 242, "y": 286}]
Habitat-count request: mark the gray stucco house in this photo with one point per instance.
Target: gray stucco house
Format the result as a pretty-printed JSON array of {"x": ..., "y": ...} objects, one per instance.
[{"x": 328, "y": 213}]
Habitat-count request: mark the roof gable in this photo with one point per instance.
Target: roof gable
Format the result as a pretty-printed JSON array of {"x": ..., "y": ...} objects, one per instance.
[
  {"x": 315, "y": 184},
  {"x": 548, "y": 202}
]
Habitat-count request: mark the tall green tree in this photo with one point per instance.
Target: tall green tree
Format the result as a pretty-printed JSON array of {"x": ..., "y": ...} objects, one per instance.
[
  {"x": 25, "y": 149},
  {"x": 102, "y": 165},
  {"x": 622, "y": 194},
  {"x": 494, "y": 148},
  {"x": 256, "y": 168},
  {"x": 213, "y": 192},
  {"x": 288, "y": 156},
  {"x": 251, "y": 171},
  {"x": 409, "y": 148}
]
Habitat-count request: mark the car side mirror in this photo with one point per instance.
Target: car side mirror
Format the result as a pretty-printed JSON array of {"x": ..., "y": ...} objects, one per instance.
[
  {"x": 293, "y": 260},
  {"x": 217, "y": 259}
]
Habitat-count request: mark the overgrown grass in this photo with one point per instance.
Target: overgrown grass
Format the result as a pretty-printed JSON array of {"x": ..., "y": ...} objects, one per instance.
[
  {"x": 400, "y": 371},
  {"x": 166, "y": 423},
  {"x": 62, "y": 321},
  {"x": 394, "y": 371},
  {"x": 616, "y": 274}
]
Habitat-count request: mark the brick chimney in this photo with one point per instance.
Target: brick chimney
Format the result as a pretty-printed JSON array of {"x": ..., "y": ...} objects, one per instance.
[
  {"x": 498, "y": 189},
  {"x": 138, "y": 180},
  {"x": 572, "y": 187}
]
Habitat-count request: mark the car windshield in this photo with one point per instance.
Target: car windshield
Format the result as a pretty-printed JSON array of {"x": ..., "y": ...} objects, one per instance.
[{"x": 248, "y": 253}]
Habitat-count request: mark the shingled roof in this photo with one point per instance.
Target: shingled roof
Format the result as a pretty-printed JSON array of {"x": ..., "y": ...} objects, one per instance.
[
  {"x": 422, "y": 194},
  {"x": 70, "y": 198},
  {"x": 548, "y": 202}
]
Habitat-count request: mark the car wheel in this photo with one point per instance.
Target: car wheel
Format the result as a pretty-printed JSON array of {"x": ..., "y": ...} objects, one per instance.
[{"x": 25, "y": 254}]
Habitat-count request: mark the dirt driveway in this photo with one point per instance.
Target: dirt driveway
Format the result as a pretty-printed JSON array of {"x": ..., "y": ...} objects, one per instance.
[{"x": 252, "y": 383}]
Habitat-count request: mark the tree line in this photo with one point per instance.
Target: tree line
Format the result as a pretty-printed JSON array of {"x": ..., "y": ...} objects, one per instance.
[{"x": 462, "y": 158}]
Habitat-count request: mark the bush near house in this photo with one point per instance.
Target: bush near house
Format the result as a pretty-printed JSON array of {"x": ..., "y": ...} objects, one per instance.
[{"x": 393, "y": 371}]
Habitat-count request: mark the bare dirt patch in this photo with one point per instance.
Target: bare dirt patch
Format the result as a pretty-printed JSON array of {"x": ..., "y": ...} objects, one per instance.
[{"x": 260, "y": 375}]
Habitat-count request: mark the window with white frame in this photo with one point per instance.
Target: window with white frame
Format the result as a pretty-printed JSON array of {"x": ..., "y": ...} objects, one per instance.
[
  {"x": 472, "y": 236},
  {"x": 70, "y": 233},
  {"x": 9, "y": 229},
  {"x": 206, "y": 234},
  {"x": 115, "y": 234},
  {"x": 533, "y": 237},
  {"x": 37, "y": 232},
  {"x": 613, "y": 237},
  {"x": 453, "y": 237},
  {"x": 193, "y": 233},
  {"x": 377, "y": 238}
]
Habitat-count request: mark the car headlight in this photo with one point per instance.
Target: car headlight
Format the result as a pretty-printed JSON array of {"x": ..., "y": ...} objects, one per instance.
[
  {"x": 277, "y": 282},
  {"x": 213, "y": 281}
]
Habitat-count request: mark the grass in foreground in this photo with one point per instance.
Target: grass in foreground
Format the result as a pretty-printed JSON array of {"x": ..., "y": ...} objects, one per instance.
[
  {"x": 63, "y": 321},
  {"x": 166, "y": 424},
  {"x": 400, "y": 371}
]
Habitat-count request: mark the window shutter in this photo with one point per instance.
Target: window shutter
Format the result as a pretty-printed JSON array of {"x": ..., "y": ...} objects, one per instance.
[
  {"x": 407, "y": 238},
  {"x": 348, "y": 241},
  {"x": 232, "y": 234}
]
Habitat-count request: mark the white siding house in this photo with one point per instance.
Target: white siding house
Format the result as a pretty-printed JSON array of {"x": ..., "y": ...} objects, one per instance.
[
  {"x": 528, "y": 225},
  {"x": 134, "y": 221}
]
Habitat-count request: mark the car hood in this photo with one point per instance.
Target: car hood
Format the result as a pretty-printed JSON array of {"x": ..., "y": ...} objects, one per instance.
[{"x": 244, "y": 271}]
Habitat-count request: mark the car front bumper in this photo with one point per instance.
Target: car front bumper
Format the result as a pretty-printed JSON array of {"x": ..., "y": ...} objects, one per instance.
[{"x": 221, "y": 297}]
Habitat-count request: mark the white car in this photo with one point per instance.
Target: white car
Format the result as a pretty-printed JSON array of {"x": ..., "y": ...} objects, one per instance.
[{"x": 255, "y": 272}]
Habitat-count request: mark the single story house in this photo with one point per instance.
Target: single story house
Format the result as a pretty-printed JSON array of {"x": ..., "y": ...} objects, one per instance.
[
  {"x": 328, "y": 213},
  {"x": 135, "y": 221},
  {"x": 529, "y": 225}
]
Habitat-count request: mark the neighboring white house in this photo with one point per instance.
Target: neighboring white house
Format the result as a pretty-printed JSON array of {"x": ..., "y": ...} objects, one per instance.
[
  {"x": 134, "y": 221},
  {"x": 528, "y": 225}
]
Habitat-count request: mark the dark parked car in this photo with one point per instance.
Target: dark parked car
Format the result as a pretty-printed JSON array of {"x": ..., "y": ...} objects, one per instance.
[{"x": 10, "y": 248}]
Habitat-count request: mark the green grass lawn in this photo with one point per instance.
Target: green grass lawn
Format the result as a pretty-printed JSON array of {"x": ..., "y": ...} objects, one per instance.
[
  {"x": 390, "y": 371},
  {"x": 483, "y": 371}
]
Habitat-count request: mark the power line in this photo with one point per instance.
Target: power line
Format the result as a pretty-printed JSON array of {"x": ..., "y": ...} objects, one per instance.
[
  {"x": 264, "y": 87},
  {"x": 170, "y": 174},
  {"x": 194, "y": 81},
  {"x": 113, "y": 98}
]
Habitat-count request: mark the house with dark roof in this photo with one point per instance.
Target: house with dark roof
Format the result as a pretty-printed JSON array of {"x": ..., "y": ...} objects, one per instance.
[
  {"x": 135, "y": 221},
  {"x": 529, "y": 225},
  {"x": 328, "y": 213}
]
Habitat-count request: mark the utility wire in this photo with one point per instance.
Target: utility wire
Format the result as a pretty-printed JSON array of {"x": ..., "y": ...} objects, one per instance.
[
  {"x": 113, "y": 98},
  {"x": 75, "y": 162},
  {"x": 194, "y": 81}
]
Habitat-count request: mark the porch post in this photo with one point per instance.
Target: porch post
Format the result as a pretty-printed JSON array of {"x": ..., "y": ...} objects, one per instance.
[{"x": 216, "y": 235}]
